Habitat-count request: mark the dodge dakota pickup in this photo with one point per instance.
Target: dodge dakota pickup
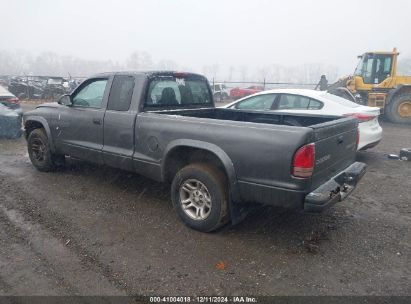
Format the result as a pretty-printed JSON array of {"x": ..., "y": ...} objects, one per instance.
[{"x": 164, "y": 125}]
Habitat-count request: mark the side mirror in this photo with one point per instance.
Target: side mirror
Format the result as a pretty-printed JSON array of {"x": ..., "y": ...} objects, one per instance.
[{"x": 65, "y": 100}]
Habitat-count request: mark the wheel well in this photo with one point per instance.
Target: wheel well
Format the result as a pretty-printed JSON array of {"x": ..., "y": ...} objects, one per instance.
[
  {"x": 32, "y": 125},
  {"x": 182, "y": 156}
]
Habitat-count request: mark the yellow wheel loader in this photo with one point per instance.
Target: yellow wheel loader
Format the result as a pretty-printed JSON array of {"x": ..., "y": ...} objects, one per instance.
[{"x": 375, "y": 83}]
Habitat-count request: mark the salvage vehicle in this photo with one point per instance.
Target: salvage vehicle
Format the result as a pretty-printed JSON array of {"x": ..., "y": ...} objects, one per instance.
[
  {"x": 376, "y": 83},
  {"x": 237, "y": 93},
  {"x": 220, "y": 91},
  {"x": 165, "y": 126},
  {"x": 27, "y": 87},
  {"x": 38, "y": 87},
  {"x": 305, "y": 101},
  {"x": 9, "y": 100},
  {"x": 10, "y": 123}
]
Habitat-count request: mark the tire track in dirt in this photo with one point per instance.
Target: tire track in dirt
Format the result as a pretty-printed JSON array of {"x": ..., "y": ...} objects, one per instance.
[{"x": 80, "y": 275}]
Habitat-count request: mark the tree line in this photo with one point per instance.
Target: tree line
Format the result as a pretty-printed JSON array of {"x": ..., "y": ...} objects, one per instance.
[{"x": 52, "y": 64}]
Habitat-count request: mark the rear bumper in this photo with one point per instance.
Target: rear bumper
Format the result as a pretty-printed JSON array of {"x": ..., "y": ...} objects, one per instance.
[
  {"x": 336, "y": 189},
  {"x": 370, "y": 135}
]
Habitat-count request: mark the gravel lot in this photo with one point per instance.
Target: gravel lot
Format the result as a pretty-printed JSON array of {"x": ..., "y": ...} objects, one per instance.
[{"x": 90, "y": 230}]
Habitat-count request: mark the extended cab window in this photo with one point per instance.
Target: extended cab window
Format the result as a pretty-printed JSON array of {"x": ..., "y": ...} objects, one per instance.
[
  {"x": 90, "y": 95},
  {"x": 121, "y": 93},
  {"x": 178, "y": 91}
]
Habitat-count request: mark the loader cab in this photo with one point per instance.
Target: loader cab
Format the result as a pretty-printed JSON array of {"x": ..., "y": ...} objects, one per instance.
[{"x": 374, "y": 68}]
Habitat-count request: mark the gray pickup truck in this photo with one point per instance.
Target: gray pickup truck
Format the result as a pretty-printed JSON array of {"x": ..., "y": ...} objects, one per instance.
[{"x": 164, "y": 125}]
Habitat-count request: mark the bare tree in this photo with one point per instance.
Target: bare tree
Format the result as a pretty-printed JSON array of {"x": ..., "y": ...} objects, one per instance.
[
  {"x": 166, "y": 64},
  {"x": 404, "y": 66},
  {"x": 139, "y": 61},
  {"x": 243, "y": 72}
]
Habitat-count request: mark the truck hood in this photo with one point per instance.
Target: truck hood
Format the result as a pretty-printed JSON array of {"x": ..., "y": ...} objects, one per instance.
[{"x": 49, "y": 105}]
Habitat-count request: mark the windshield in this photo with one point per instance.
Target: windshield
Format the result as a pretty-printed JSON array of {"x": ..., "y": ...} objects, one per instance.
[
  {"x": 374, "y": 68},
  {"x": 178, "y": 91}
]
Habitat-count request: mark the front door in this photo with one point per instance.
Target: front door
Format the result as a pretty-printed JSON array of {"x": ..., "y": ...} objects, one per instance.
[{"x": 80, "y": 125}]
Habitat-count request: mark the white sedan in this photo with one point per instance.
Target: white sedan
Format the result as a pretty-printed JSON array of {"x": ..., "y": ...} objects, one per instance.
[{"x": 316, "y": 102}]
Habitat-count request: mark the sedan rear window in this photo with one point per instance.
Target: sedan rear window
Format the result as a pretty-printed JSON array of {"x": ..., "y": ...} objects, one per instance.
[{"x": 340, "y": 100}]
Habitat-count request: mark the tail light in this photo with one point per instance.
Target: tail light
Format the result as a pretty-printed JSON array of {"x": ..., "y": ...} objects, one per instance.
[
  {"x": 13, "y": 100},
  {"x": 361, "y": 117},
  {"x": 303, "y": 161}
]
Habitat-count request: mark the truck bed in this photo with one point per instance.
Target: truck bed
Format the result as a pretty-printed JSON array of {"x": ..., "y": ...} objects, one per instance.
[
  {"x": 252, "y": 140},
  {"x": 301, "y": 120}
]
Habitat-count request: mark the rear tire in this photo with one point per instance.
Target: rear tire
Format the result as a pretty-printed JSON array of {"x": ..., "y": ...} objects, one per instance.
[
  {"x": 40, "y": 154},
  {"x": 399, "y": 109},
  {"x": 199, "y": 195}
]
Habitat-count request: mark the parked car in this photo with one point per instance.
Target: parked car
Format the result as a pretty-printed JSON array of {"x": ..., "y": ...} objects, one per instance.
[
  {"x": 10, "y": 123},
  {"x": 9, "y": 100},
  {"x": 304, "y": 101},
  {"x": 24, "y": 87},
  {"x": 237, "y": 93},
  {"x": 38, "y": 87},
  {"x": 164, "y": 125},
  {"x": 220, "y": 91}
]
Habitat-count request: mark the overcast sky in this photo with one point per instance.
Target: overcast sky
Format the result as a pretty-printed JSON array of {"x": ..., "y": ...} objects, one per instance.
[{"x": 205, "y": 32}]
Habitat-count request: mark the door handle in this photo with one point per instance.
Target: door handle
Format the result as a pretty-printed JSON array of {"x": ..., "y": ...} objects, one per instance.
[{"x": 97, "y": 121}]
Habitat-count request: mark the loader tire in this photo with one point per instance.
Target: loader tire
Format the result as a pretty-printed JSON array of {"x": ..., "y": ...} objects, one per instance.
[{"x": 399, "y": 109}]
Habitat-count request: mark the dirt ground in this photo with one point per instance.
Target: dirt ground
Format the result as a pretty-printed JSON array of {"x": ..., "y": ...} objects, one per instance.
[{"x": 89, "y": 230}]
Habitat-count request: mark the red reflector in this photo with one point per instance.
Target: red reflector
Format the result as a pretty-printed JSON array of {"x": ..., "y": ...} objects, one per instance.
[
  {"x": 303, "y": 162},
  {"x": 13, "y": 100},
  {"x": 361, "y": 117}
]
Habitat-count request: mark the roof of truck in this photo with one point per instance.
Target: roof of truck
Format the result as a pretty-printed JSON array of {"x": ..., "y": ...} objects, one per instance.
[{"x": 150, "y": 73}]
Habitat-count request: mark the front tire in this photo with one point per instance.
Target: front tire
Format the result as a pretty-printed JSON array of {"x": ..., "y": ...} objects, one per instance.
[
  {"x": 399, "y": 109},
  {"x": 199, "y": 195},
  {"x": 40, "y": 154}
]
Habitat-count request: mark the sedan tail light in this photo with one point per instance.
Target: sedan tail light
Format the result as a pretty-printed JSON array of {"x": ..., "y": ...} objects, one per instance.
[
  {"x": 361, "y": 117},
  {"x": 303, "y": 161},
  {"x": 13, "y": 100}
]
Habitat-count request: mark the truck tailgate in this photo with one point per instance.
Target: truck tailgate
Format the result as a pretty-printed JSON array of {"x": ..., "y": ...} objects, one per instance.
[{"x": 335, "y": 148}]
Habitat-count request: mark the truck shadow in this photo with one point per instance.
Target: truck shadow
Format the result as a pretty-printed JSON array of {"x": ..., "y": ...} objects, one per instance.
[{"x": 295, "y": 230}]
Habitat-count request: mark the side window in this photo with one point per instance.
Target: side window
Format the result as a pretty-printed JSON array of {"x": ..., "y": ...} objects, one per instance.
[
  {"x": 121, "y": 93},
  {"x": 259, "y": 102},
  {"x": 315, "y": 105},
  {"x": 293, "y": 102},
  {"x": 387, "y": 65},
  {"x": 91, "y": 95}
]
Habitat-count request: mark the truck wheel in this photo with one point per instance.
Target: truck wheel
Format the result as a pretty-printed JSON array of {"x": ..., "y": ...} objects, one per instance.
[
  {"x": 199, "y": 195},
  {"x": 399, "y": 109},
  {"x": 40, "y": 154}
]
